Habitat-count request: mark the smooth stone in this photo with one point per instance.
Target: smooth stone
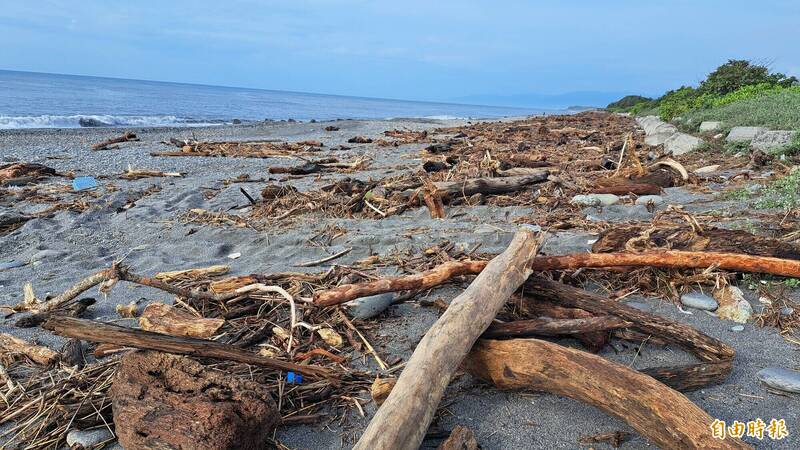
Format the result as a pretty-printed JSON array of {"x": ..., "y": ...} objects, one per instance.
[
  {"x": 733, "y": 305},
  {"x": 737, "y": 328},
  {"x": 369, "y": 307},
  {"x": 710, "y": 125},
  {"x": 89, "y": 438},
  {"x": 682, "y": 143},
  {"x": 707, "y": 169},
  {"x": 595, "y": 200},
  {"x": 781, "y": 379},
  {"x": 697, "y": 300},
  {"x": 744, "y": 134},
  {"x": 645, "y": 199},
  {"x": 787, "y": 311},
  {"x": 769, "y": 140}
]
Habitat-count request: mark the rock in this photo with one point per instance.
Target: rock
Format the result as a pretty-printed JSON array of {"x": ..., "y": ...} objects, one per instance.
[
  {"x": 737, "y": 328},
  {"x": 732, "y": 305},
  {"x": 88, "y": 438},
  {"x": 368, "y": 307},
  {"x": 681, "y": 143},
  {"x": 786, "y": 311},
  {"x": 769, "y": 140},
  {"x": 707, "y": 169},
  {"x": 698, "y": 300},
  {"x": 595, "y": 200},
  {"x": 237, "y": 121},
  {"x": 710, "y": 125},
  {"x": 645, "y": 199},
  {"x": 90, "y": 122},
  {"x": 781, "y": 379},
  {"x": 719, "y": 136},
  {"x": 166, "y": 401},
  {"x": 744, "y": 134}
]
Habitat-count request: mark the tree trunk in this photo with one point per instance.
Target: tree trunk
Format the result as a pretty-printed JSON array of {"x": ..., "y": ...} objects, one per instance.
[
  {"x": 662, "y": 415},
  {"x": 403, "y": 419}
]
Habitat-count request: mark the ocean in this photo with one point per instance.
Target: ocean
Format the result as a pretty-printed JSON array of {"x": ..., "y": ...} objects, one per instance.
[{"x": 38, "y": 100}]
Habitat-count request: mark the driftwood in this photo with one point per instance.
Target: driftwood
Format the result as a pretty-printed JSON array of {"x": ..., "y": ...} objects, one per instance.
[
  {"x": 166, "y": 319},
  {"x": 662, "y": 415},
  {"x": 93, "y": 331},
  {"x": 490, "y": 186},
  {"x": 685, "y": 238},
  {"x": 402, "y": 420},
  {"x": 75, "y": 309},
  {"x": 594, "y": 341},
  {"x": 13, "y": 346},
  {"x": 32, "y": 171},
  {"x": 461, "y": 438},
  {"x": 128, "y": 136},
  {"x": 557, "y": 327},
  {"x": 661, "y": 259}
]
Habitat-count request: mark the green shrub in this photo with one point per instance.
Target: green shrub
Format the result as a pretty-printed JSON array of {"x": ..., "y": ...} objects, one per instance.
[
  {"x": 790, "y": 149},
  {"x": 783, "y": 193},
  {"x": 627, "y": 102},
  {"x": 736, "y": 74},
  {"x": 777, "y": 109}
]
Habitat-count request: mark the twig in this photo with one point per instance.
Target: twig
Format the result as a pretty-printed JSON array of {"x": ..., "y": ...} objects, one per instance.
[{"x": 325, "y": 259}]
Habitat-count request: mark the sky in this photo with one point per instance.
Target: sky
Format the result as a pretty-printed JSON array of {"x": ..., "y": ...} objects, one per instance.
[{"x": 440, "y": 50}]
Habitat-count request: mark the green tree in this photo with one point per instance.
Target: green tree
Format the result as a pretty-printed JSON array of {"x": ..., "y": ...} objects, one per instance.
[{"x": 737, "y": 73}]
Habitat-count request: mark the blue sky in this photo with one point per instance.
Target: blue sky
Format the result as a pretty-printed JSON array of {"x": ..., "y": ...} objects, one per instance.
[{"x": 425, "y": 50}]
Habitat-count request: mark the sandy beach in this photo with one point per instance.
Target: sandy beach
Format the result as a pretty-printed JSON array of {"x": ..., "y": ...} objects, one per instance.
[{"x": 144, "y": 222}]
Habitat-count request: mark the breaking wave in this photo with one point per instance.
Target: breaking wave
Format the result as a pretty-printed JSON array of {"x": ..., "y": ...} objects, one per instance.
[{"x": 84, "y": 121}]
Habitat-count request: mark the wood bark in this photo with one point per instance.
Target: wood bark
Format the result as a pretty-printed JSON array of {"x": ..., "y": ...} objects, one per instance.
[
  {"x": 116, "y": 140},
  {"x": 557, "y": 327},
  {"x": 93, "y": 331},
  {"x": 165, "y": 319},
  {"x": 402, "y": 420},
  {"x": 662, "y": 415},
  {"x": 461, "y": 438}
]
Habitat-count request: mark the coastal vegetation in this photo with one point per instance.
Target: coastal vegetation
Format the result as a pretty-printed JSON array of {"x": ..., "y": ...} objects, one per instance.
[{"x": 737, "y": 93}]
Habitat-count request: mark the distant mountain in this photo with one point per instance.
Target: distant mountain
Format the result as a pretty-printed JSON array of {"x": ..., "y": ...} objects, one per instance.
[{"x": 560, "y": 101}]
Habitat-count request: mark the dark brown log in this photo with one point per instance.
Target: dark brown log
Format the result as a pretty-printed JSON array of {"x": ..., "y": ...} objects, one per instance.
[
  {"x": 626, "y": 189},
  {"x": 24, "y": 170},
  {"x": 73, "y": 310},
  {"x": 686, "y": 239},
  {"x": 558, "y": 327},
  {"x": 128, "y": 136},
  {"x": 490, "y": 186},
  {"x": 402, "y": 420},
  {"x": 593, "y": 341},
  {"x": 660, "y": 414},
  {"x": 93, "y": 331},
  {"x": 461, "y": 438}
]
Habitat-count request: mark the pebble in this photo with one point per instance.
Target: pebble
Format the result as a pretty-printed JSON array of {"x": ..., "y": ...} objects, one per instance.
[
  {"x": 88, "y": 438},
  {"x": 699, "y": 301},
  {"x": 781, "y": 379},
  {"x": 368, "y": 307},
  {"x": 645, "y": 199},
  {"x": 737, "y": 328},
  {"x": 595, "y": 200},
  {"x": 787, "y": 311}
]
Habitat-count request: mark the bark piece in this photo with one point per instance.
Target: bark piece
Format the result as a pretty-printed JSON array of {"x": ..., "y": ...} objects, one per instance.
[
  {"x": 660, "y": 414},
  {"x": 381, "y": 388},
  {"x": 461, "y": 438},
  {"x": 402, "y": 420},
  {"x": 167, "y": 319},
  {"x": 162, "y": 401}
]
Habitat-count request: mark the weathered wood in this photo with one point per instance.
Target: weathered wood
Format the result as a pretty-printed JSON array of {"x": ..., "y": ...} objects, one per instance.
[
  {"x": 490, "y": 186},
  {"x": 660, "y": 414},
  {"x": 686, "y": 239},
  {"x": 402, "y": 420},
  {"x": 420, "y": 281},
  {"x": 93, "y": 331},
  {"x": 21, "y": 170},
  {"x": 75, "y": 309},
  {"x": 128, "y": 136},
  {"x": 557, "y": 327},
  {"x": 593, "y": 341},
  {"x": 461, "y": 438},
  {"x": 14, "y": 346},
  {"x": 165, "y": 319}
]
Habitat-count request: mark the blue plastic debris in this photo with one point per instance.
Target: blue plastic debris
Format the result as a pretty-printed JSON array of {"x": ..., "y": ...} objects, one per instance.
[
  {"x": 293, "y": 378},
  {"x": 84, "y": 183}
]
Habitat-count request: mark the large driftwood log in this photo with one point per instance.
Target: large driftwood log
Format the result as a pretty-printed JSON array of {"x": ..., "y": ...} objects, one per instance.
[
  {"x": 660, "y": 414},
  {"x": 402, "y": 420},
  {"x": 661, "y": 259},
  {"x": 490, "y": 186},
  {"x": 128, "y": 136},
  {"x": 92, "y": 331},
  {"x": 557, "y": 327},
  {"x": 594, "y": 341}
]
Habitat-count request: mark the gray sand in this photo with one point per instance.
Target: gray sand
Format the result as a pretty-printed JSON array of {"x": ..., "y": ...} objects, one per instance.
[{"x": 68, "y": 246}]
